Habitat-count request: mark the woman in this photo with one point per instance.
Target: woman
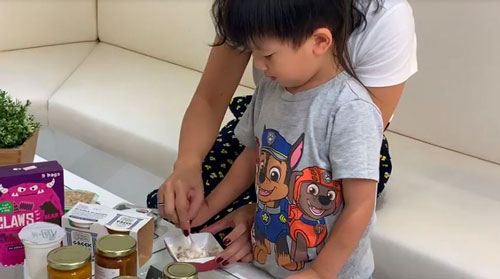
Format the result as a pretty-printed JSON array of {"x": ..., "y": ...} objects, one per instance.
[{"x": 382, "y": 49}]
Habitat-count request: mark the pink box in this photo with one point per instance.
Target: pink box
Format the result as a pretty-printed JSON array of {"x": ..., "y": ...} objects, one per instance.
[{"x": 29, "y": 193}]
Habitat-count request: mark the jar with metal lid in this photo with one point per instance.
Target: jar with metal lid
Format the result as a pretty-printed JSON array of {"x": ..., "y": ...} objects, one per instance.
[
  {"x": 71, "y": 262},
  {"x": 180, "y": 271},
  {"x": 116, "y": 255}
]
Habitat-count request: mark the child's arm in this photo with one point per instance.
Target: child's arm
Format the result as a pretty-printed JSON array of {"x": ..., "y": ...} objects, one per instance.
[
  {"x": 239, "y": 178},
  {"x": 359, "y": 198}
]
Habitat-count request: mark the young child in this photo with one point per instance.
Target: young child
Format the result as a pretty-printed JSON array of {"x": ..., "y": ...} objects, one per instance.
[{"x": 314, "y": 135}]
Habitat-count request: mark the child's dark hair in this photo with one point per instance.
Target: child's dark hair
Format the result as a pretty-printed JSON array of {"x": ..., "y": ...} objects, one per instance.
[{"x": 239, "y": 22}]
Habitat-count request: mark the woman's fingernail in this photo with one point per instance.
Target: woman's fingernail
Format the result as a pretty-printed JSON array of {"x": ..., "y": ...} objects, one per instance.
[
  {"x": 218, "y": 260},
  {"x": 225, "y": 263},
  {"x": 227, "y": 241},
  {"x": 186, "y": 232}
]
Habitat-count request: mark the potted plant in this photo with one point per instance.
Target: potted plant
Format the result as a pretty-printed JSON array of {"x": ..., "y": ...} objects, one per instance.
[{"x": 18, "y": 131}]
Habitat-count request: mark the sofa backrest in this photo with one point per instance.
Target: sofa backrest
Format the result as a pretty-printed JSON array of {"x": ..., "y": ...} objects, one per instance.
[
  {"x": 177, "y": 31},
  {"x": 454, "y": 99},
  {"x": 30, "y": 23}
]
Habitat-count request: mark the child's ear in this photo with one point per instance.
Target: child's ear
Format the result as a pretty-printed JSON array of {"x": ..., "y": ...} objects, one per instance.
[{"x": 323, "y": 40}]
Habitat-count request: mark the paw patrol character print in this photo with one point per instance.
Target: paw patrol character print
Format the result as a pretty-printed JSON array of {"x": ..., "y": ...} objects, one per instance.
[
  {"x": 276, "y": 160},
  {"x": 315, "y": 195}
]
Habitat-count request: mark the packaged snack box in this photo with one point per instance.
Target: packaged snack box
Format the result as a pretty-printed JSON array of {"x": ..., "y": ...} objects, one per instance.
[
  {"x": 29, "y": 193},
  {"x": 85, "y": 223}
]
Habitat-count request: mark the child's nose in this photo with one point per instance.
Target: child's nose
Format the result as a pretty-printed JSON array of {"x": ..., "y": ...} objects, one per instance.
[{"x": 259, "y": 63}]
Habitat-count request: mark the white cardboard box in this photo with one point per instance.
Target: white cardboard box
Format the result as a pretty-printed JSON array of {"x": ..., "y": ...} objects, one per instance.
[{"x": 85, "y": 223}]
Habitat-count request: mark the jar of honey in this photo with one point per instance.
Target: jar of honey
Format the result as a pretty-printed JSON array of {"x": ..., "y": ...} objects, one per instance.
[
  {"x": 116, "y": 255},
  {"x": 71, "y": 262},
  {"x": 180, "y": 271}
]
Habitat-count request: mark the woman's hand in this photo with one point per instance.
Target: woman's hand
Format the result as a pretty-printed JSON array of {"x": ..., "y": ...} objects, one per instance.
[
  {"x": 239, "y": 246},
  {"x": 204, "y": 214},
  {"x": 181, "y": 196}
]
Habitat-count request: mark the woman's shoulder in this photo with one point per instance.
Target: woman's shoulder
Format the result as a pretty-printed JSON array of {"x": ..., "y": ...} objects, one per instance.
[
  {"x": 377, "y": 9},
  {"x": 381, "y": 14},
  {"x": 390, "y": 4},
  {"x": 383, "y": 52}
]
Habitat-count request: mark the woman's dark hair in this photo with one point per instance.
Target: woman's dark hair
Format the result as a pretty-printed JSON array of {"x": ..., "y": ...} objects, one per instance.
[{"x": 240, "y": 22}]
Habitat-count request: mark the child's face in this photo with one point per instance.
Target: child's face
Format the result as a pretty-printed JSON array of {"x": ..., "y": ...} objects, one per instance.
[{"x": 289, "y": 66}]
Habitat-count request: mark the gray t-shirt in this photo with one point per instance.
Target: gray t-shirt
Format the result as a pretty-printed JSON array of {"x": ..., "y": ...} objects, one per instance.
[{"x": 307, "y": 143}]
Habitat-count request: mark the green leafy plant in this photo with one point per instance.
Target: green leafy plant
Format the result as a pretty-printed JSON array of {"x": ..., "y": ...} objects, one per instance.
[{"x": 16, "y": 124}]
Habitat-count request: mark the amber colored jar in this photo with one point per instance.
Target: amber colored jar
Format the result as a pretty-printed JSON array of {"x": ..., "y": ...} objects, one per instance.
[
  {"x": 71, "y": 262},
  {"x": 116, "y": 256}
]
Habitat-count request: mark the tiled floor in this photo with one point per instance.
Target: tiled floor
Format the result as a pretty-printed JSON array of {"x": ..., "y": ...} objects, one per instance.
[{"x": 117, "y": 176}]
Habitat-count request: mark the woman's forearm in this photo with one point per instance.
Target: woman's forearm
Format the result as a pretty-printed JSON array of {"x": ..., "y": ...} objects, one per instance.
[
  {"x": 202, "y": 119},
  {"x": 199, "y": 129}
]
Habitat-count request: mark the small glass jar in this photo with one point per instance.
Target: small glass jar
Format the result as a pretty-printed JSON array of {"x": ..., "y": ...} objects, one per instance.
[
  {"x": 180, "y": 271},
  {"x": 71, "y": 262},
  {"x": 116, "y": 255}
]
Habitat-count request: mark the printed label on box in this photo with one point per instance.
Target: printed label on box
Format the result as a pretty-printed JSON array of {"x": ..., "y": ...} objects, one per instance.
[
  {"x": 84, "y": 239},
  {"x": 123, "y": 222}
]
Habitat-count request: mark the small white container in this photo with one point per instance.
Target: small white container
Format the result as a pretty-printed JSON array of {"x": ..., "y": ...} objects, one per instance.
[
  {"x": 178, "y": 245},
  {"x": 38, "y": 240}
]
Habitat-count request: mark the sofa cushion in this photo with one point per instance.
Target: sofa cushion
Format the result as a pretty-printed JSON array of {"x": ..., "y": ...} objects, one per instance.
[
  {"x": 127, "y": 104},
  {"x": 176, "y": 31},
  {"x": 439, "y": 218},
  {"x": 35, "y": 74},
  {"x": 25, "y": 24}
]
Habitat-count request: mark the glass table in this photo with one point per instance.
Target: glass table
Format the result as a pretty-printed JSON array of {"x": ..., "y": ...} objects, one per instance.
[{"x": 160, "y": 257}]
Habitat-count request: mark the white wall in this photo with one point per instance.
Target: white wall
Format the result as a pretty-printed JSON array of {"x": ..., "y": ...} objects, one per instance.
[
  {"x": 454, "y": 100},
  {"x": 28, "y": 23}
]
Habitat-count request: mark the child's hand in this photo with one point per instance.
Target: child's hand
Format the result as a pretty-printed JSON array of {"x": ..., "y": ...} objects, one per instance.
[
  {"x": 307, "y": 274},
  {"x": 204, "y": 214}
]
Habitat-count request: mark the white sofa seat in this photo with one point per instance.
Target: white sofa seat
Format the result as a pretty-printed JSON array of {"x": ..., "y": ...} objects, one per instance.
[
  {"x": 439, "y": 217},
  {"x": 35, "y": 74},
  {"x": 128, "y": 104}
]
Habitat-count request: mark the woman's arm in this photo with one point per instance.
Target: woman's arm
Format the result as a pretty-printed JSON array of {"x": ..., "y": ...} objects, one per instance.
[
  {"x": 202, "y": 120},
  {"x": 387, "y": 99},
  {"x": 181, "y": 195}
]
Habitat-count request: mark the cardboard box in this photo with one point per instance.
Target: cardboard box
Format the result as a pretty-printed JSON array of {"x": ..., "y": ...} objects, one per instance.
[
  {"x": 85, "y": 223},
  {"x": 29, "y": 193}
]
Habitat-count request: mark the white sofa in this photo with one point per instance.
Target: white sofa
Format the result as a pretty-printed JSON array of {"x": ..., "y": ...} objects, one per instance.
[{"x": 118, "y": 75}]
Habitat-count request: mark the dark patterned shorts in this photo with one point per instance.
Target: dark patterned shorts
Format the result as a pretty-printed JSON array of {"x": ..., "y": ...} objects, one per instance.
[{"x": 225, "y": 151}]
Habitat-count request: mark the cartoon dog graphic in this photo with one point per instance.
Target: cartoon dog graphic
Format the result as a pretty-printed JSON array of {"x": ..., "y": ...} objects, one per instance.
[
  {"x": 276, "y": 160},
  {"x": 315, "y": 195}
]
